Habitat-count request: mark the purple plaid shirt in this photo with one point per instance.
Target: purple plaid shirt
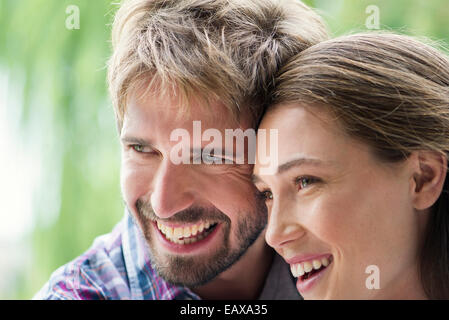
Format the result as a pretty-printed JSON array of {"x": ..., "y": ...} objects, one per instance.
[{"x": 117, "y": 266}]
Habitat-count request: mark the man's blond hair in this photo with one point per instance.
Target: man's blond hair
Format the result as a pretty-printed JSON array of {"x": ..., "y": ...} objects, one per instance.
[{"x": 221, "y": 50}]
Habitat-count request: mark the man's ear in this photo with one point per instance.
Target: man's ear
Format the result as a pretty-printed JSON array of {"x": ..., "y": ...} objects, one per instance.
[{"x": 429, "y": 173}]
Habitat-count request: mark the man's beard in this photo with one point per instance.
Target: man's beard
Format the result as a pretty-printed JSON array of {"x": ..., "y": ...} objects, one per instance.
[{"x": 198, "y": 270}]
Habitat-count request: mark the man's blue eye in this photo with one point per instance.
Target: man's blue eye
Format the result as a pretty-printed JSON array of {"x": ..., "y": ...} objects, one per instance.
[{"x": 211, "y": 158}]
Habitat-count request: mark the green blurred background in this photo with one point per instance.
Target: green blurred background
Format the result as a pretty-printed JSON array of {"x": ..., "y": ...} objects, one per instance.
[{"x": 60, "y": 160}]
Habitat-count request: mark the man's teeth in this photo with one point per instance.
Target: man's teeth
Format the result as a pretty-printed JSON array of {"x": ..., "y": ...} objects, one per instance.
[
  {"x": 300, "y": 269},
  {"x": 185, "y": 235}
]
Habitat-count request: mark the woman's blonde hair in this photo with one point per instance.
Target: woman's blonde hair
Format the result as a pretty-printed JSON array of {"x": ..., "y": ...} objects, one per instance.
[
  {"x": 391, "y": 92},
  {"x": 213, "y": 49}
]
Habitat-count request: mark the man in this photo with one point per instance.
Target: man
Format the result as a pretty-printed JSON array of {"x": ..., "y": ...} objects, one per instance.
[{"x": 193, "y": 225}]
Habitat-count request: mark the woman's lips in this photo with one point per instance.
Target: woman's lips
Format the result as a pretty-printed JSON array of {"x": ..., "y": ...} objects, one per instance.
[{"x": 309, "y": 269}]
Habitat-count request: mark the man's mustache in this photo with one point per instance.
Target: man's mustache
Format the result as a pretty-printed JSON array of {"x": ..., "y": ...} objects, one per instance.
[{"x": 189, "y": 215}]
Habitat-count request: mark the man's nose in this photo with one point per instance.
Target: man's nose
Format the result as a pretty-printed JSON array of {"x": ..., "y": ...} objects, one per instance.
[
  {"x": 172, "y": 189},
  {"x": 283, "y": 225}
]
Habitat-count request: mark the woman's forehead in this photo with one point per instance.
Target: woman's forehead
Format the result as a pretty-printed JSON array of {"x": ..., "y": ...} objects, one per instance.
[{"x": 314, "y": 134}]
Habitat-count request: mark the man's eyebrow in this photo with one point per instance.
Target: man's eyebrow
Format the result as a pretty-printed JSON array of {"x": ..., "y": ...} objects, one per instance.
[{"x": 135, "y": 140}]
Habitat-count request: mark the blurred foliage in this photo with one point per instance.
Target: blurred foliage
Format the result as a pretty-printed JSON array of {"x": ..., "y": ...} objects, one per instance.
[
  {"x": 429, "y": 18},
  {"x": 63, "y": 74}
]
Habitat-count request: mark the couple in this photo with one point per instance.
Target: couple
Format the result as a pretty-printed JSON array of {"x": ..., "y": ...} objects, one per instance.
[{"x": 361, "y": 172}]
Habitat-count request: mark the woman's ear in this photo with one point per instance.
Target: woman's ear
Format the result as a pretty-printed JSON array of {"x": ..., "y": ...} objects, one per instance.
[{"x": 429, "y": 173}]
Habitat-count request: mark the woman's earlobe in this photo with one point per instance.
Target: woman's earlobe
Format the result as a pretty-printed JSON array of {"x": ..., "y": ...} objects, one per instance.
[{"x": 429, "y": 178}]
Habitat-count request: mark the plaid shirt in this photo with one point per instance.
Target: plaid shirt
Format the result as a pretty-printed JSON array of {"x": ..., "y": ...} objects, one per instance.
[{"x": 117, "y": 266}]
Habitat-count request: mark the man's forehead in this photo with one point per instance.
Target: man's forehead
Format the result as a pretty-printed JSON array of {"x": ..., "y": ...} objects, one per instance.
[{"x": 169, "y": 110}]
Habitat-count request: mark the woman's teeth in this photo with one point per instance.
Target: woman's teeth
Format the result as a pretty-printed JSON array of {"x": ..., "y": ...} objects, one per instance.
[
  {"x": 304, "y": 268},
  {"x": 187, "y": 234}
]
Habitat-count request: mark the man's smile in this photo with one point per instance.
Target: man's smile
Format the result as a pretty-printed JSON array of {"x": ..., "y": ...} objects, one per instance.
[
  {"x": 187, "y": 238},
  {"x": 186, "y": 234}
]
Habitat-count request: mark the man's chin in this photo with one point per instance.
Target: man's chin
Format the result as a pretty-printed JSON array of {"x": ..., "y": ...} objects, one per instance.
[
  {"x": 198, "y": 270},
  {"x": 196, "y": 263},
  {"x": 188, "y": 271}
]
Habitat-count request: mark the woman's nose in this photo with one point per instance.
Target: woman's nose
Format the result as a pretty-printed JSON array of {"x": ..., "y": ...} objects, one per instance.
[{"x": 283, "y": 226}]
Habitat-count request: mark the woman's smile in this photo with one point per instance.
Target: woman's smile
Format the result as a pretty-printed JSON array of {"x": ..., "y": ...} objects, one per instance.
[{"x": 309, "y": 269}]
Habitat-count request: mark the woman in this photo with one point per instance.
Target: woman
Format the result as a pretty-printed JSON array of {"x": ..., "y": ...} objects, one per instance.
[{"x": 358, "y": 205}]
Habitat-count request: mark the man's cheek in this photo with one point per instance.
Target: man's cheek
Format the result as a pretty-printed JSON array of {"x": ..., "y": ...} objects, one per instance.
[{"x": 134, "y": 184}]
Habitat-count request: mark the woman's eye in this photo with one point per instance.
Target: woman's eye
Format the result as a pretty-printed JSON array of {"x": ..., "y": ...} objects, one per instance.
[{"x": 304, "y": 182}]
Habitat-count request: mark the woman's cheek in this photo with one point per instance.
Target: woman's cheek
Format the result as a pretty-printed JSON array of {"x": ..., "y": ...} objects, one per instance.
[{"x": 322, "y": 218}]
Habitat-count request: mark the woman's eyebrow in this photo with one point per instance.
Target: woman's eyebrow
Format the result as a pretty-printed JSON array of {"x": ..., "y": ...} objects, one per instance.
[
  {"x": 292, "y": 164},
  {"x": 299, "y": 162}
]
